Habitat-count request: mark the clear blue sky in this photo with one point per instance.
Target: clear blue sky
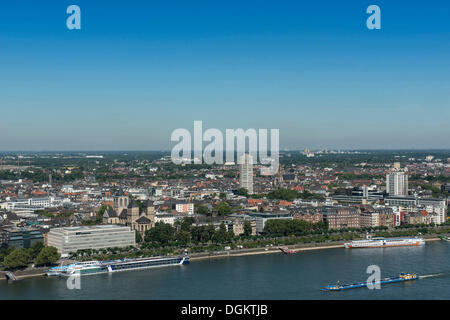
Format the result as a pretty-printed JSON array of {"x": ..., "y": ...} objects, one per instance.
[{"x": 137, "y": 70}]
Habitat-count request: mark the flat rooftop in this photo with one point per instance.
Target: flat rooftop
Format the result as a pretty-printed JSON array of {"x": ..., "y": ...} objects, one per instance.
[{"x": 97, "y": 227}]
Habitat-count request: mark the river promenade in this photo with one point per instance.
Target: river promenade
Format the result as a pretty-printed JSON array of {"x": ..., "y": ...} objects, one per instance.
[{"x": 36, "y": 272}]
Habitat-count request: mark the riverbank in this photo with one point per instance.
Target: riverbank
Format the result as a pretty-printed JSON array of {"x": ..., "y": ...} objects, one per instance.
[
  {"x": 22, "y": 274},
  {"x": 39, "y": 272},
  {"x": 300, "y": 247},
  {"x": 266, "y": 250}
]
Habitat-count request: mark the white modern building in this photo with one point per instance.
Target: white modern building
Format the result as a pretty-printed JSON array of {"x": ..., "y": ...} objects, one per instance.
[
  {"x": 71, "y": 239},
  {"x": 246, "y": 172},
  {"x": 45, "y": 202},
  {"x": 397, "y": 182}
]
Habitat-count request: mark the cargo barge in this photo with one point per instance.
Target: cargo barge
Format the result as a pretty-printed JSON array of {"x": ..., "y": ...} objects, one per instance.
[{"x": 400, "y": 278}]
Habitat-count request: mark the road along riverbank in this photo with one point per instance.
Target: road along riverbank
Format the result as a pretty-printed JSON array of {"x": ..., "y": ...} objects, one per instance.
[{"x": 39, "y": 272}]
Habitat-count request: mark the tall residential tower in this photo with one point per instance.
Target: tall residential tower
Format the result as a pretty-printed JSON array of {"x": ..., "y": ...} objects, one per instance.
[
  {"x": 246, "y": 172},
  {"x": 397, "y": 181}
]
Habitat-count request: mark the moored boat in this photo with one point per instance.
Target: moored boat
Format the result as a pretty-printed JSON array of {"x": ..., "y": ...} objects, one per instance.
[
  {"x": 57, "y": 271},
  {"x": 381, "y": 242},
  {"x": 109, "y": 266},
  {"x": 97, "y": 267},
  {"x": 286, "y": 250}
]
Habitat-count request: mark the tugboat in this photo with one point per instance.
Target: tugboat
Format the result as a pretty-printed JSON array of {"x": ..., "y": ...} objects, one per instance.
[{"x": 400, "y": 278}]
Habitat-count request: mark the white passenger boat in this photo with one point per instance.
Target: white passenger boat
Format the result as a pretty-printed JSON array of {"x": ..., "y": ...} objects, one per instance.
[{"x": 380, "y": 242}]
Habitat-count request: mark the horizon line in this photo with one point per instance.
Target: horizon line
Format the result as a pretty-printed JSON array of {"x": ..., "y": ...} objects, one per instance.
[{"x": 168, "y": 150}]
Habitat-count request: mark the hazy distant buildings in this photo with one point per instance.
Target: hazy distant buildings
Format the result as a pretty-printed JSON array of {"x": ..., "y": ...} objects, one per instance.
[
  {"x": 397, "y": 181},
  {"x": 246, "y": 172}
]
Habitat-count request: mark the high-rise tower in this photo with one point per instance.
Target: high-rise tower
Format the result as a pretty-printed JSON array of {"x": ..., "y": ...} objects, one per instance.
[
  {"x": 246, "y": 172},
  {"x": 397, "y": 181}
]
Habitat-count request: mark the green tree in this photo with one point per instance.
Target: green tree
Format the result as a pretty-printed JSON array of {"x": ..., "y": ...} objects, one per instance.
[
  {"x": 201, "y": 209},
  {"x": 223, "y": 209},
  {"x": 4, "y": 252},
  {"x": 36, "y": 249},
  {"x": 284, "y": 227},
  {"x": 18, "y": 258},
  {"x": 202, "y": 233},
  {"x": 183, "y": 237},
  {"x": 221, "y": 234},
  {"x": 186, "y": 223},
  {"x": 47, "y": 256},
  {"x": 434, "y": 190},
  {"x": 162, "y": 233},
  {"x": 247, "y": 228},
  {"x": 139, "y": 238},
  {"x": 242, "y": 192}
]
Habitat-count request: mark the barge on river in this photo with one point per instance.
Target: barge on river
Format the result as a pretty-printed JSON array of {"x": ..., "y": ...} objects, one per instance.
[{"x": 400, "y": 278}]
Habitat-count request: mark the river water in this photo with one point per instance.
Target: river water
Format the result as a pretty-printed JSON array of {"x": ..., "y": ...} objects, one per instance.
[{"x": 266, "y": 276}]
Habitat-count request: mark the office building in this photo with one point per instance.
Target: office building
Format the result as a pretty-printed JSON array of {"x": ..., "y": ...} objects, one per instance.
[
  {"x": 20, "y": 237},
  {"x": 262, "y": 217},
  {"x": 71, "y": 239}
]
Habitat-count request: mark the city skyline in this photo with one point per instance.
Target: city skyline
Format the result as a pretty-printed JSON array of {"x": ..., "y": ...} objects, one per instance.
[{"x": 134, "y": 74}]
